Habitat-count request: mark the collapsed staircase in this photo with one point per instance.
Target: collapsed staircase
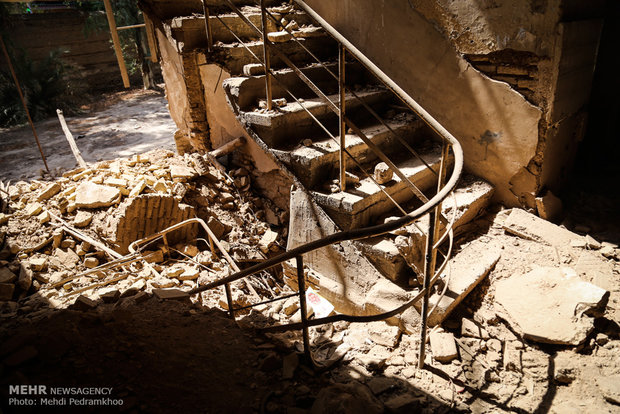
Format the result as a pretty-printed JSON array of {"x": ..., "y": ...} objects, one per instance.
[{"x": 364, "y": 276}]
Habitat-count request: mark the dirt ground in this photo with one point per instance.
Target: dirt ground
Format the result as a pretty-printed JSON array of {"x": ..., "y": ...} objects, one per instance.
[{"x": 119, "y": 125}]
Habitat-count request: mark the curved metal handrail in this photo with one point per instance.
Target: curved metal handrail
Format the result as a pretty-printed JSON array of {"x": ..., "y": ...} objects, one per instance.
[{"x": 430, "y": 206}]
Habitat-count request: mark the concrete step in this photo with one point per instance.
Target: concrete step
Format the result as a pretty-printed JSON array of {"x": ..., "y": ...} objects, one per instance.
[
  {"x": 359, "y": 206},
  {"x": 289, "y": 123},
  {"x": 318, "y": 162},
  {"x": 190, "y": 33},
  {"x": 233, "y": 56},
  {"x": 472, "y": 197},
  {"x": 247, "y": 91}
]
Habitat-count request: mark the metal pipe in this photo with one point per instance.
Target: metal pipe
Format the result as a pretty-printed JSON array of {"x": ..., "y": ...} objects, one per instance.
[
  {"x": 301, "y": 284},
  {"x": 425, "y": 286},
  {"x": 21, "y": 97},
  {"x": 266, "y": 58},
  {"x": 341, "y": 115}
]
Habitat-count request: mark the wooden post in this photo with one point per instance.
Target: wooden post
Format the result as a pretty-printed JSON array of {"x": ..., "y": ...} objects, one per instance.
[
  {"x": 72, "y": 144},
  {"x": 117, "y": 43},
  {"x": 21, "y": 96},
  {"x": 150, "y": 36}
]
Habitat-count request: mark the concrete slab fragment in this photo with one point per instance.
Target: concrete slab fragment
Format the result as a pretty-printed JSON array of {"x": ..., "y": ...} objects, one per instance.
[
  {"x": 548, "y": 305},
  {"x": 443, "y": 346},
  {"x": 91, "y": 195},
  {"x": 528, "y": 226},
  {"x": 467, "y": 269}
]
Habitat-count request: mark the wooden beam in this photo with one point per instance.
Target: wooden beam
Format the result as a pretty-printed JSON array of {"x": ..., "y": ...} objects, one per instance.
[
  {"x": 150, "y": 37},
  {"x": 117, "y": 43},
  {"x": 74, "y": 148}
]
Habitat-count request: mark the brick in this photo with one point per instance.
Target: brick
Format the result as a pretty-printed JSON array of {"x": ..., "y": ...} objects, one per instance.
[
  {"x": 443, "y": 346},
  {"x": 170, "y": 294}
]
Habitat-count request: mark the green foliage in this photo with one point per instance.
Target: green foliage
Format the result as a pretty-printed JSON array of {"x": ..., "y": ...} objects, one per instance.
[{"x": 44, "y": 85}]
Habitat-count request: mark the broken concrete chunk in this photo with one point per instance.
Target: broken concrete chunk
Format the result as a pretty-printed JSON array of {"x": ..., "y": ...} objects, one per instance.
[
  {"x": 279, "y": 37},
  {"x": 268, "y": 239},
  {"x": 383, "y": 173},
  {"x": 48, "y": 192},
  {"x": 253, "y": 69},
  {"x": 90, "y": 195},
  {"x": 6, "y": 276},
  {"x": 217, "y": 227},
  {"x": 82, "y": 219},
  {"x": 170, "y": 294},
  {"x": 111, "y": 296},
  {"x": 549, "y": 206},
  {"x": 528, "y": 226},
  {"x": 33, "y": 209},
  {"x": 83, "y": 303},
  {"x": 468, "y": 268},
  {"x": 138, "y": 188},
  {"x": 91, "y": 262},
  {"x": 472, "y": 329},
  {"x": 44, "y": 217},
  {"x": 548, "y": 305},
  {"x": 591, "y": 243},
  {"x": 443, "y": 346},
  {"x": 25, "y": 276},
  {"x": 189, "y": 274},
  {"x": 181, "y": 173},
  {"x": 38, "y": 264}
]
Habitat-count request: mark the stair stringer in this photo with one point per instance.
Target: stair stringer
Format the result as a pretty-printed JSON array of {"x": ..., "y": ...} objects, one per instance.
[{"x": 343, "y": 274}]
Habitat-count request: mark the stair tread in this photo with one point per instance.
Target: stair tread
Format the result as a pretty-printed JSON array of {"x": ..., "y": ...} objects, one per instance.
[
  {"x": 263, "y": 117},
  {"x": 367, "y": 192},
  {"x": 326, "y": 145}
]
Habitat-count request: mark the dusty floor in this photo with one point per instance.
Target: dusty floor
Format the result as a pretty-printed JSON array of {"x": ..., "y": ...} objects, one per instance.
[
  {"x": 130, "y": 122},
  {"x": 168, "y": 356}
]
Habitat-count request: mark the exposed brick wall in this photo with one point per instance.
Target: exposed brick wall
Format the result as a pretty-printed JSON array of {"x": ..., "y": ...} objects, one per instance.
[
  {"x": 144, "y": 215},
  {"x": 518, "y": 69}
]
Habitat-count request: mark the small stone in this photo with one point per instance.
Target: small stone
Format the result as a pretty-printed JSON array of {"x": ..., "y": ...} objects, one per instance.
[
  {"x": 170, "y": 294},
  {"x": 91, "y": 262},
  {"x": 6, "y": 276},
  {"x": 44, "y": 217},
  {"x": 111, "y": 296},
  {"x": 38, "y": 264},
  {"x": 472, "y": 329},
  {"x": 82, "y": 303},
  {"x": 174, "y": 271},
  {"x": 383, "y": 173},
  {"x": 494, "y": 345},
  {"x": 181, "y": 173},
  {"x": 33, "y": 209},
  {"x": 48, "y": 192},
  {"x": 138, "y": 188},
  {"x": 6, "y": 291},
  {"x": 279, "y": 37},
  {"x": 25, "y": 276},
  {"x": 306, "y": 142},
  {"x": 4, "y": 218},
  {"x": 602, "y": 339},
  {"x": 383, "y": 334},
  {"x": 82, "y": 219},
  {"x": 189, "y": 274},
  {"x": 591, "y": 243},
  {"x": 443, "y": 346}
]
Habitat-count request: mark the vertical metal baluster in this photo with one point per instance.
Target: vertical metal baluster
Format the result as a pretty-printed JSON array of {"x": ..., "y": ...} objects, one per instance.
[
  {"x": 343, "y": 130},
  {"x": 266, "y": 56},
  {"x": 430, "y": 239},
  {"x": 205, "y": 10},
  {"x": 301, "y": 284}
]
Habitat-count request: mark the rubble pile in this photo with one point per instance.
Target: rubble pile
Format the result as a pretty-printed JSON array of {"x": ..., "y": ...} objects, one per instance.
[{"x": 65, "y": 242}]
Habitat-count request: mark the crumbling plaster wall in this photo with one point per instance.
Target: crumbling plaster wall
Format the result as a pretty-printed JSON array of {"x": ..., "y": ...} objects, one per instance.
[{"x": 500, "y": 109}]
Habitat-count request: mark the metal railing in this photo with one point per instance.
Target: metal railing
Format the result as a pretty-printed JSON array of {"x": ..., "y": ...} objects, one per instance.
[{"x": 431, "y": 206}]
